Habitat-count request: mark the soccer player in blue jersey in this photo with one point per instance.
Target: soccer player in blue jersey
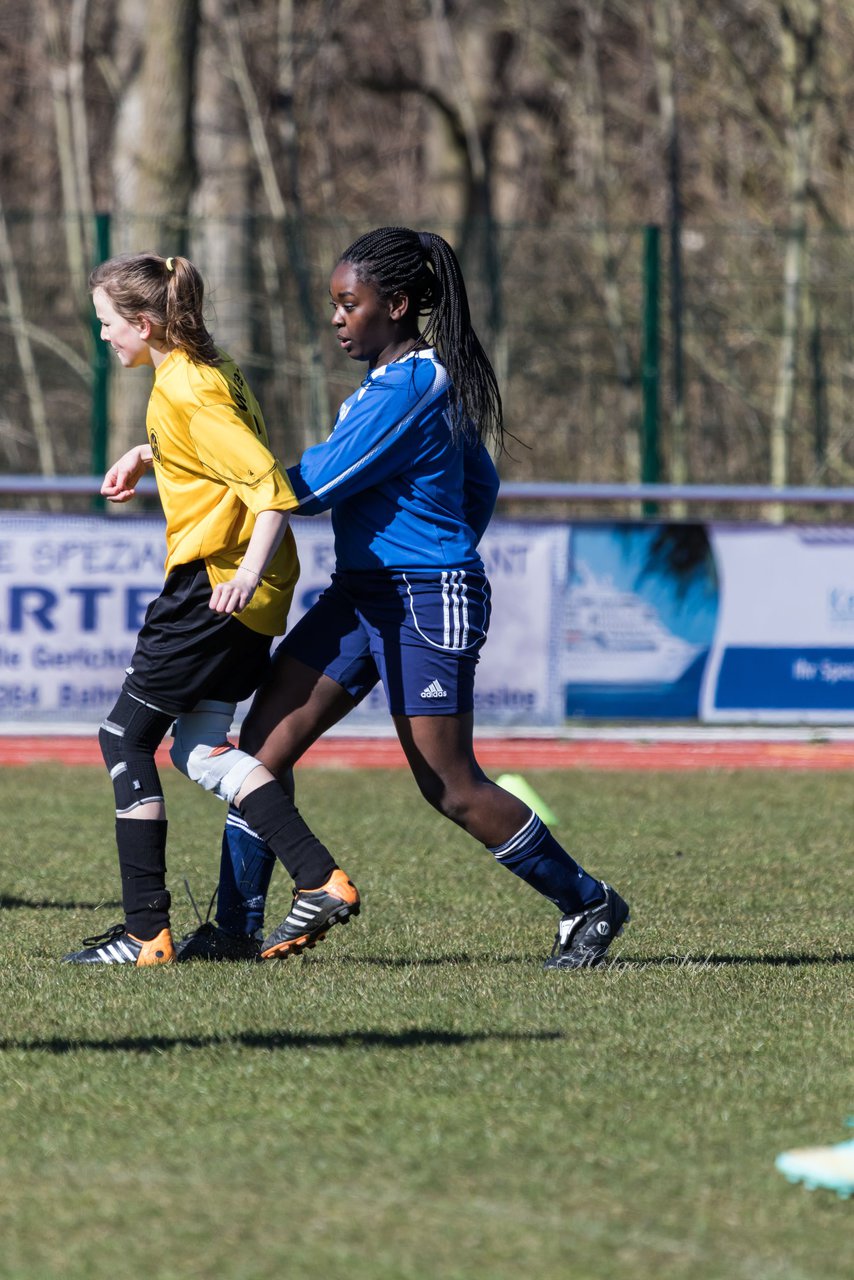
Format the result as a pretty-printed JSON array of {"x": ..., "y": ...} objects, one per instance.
[{"x": 411, "y": 486}]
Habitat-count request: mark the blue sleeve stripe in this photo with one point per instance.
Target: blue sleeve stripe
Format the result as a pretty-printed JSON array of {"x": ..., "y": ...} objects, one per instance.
[{"x": 437, "y": 388}]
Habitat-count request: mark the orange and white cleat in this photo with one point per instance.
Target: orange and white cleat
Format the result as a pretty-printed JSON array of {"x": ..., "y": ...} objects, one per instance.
[
  {"x": 117, "y": 946},
  {"x": 313, "y": 913}
]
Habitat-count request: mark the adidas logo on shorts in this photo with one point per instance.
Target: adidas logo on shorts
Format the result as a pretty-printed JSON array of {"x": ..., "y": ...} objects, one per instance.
[{"x": 434, "y": 690}]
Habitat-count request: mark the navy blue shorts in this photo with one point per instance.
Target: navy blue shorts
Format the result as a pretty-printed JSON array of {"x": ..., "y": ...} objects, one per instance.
[
  {"x": 187, "y": 653},
  {"x": 420, "y": 633}
]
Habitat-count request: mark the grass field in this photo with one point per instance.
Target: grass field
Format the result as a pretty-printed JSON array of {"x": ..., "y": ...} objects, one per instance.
[{"x": 417, "y": 1099}]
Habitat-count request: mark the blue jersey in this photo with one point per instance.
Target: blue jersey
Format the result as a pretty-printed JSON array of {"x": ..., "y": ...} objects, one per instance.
[{"x": 403, "y": 495}]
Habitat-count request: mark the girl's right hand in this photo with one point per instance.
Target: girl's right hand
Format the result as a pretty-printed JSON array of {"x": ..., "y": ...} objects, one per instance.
[
  {"x": 121, "y": 479},
  {"x": 234, "y": 595}
]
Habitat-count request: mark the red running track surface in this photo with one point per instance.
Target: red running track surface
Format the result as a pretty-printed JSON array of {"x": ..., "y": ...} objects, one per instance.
[{"x": 504, "y": 753}]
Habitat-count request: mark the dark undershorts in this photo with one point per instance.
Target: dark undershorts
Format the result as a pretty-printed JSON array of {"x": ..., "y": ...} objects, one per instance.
[{"x": 186, "y": 653}]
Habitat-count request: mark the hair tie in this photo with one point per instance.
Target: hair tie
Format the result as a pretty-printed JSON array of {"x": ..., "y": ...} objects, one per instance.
[
  {"x": 425, "y": 239},
  {"x": 170, "y": 264}
]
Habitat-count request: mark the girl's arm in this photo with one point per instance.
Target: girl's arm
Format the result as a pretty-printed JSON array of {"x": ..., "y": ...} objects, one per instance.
[
  {"x": 234, "y": 595},
  {"x": 370, "y": 441},
  {"x": 121, "y": 479},
  {"x": 480, "y": 488}
]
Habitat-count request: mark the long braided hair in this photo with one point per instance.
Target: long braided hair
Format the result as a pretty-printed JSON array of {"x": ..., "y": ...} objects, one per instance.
[
  {"x": 424, "y": 267},
  {"x": 169, "y": 291}
]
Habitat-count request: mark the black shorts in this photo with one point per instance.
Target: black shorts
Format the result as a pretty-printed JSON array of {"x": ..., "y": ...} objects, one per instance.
[{"x": 186, "y": 653}]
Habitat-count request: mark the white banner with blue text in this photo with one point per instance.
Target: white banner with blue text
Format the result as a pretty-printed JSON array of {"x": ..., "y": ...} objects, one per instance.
[{"x": 73, "y": 594}]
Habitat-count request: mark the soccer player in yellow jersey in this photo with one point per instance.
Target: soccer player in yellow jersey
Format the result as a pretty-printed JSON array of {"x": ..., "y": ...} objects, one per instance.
[{"x": 231, "y": 567}]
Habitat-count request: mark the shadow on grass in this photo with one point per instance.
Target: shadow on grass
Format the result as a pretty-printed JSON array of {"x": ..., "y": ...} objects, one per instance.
[
  {"x": 710, "y": 960},
  {"x": 414, "y": 1039},
  {"x": 413, "y": 962},
  {"x": 9, "y": 902},
  {"x": 713, "y": 961}
]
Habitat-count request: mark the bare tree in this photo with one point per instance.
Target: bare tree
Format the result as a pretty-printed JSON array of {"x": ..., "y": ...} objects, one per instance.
[
  {"x": 800, "y": 24},
  {"x": 221, "y": 203},
  {"x": 153, "y": 155},
  {"x": 595, "y": 180},
  {"x": 458, "y": 74},
  {"x": 65, "y": 51},
  {"x": 530, "y": 132},
  {"x": 471, "y": 58},
  {"x": 315, "y": 405},
  {"x": 667, "y": 19},
  {"x": 24, "y": 349},
  {"x": 283, "y": 244}
]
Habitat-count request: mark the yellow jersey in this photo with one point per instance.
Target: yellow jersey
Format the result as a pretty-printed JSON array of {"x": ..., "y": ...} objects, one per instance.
[{"x": 215, "y": 473}]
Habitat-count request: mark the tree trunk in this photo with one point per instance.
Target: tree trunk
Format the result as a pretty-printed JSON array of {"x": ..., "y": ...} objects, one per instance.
[
  {"x": 314, "y": 409},
  {"x": 153, "y": 161},
  {"x": 281, "y": 244},
  {"x": 800, "y": 39},
  {"x": 24, "y": 351},
  {"x": 74, "y": 176},
  {"x": 666, "y": 16},
  {"x": 593, "y": 177},
  {"x": 469, "y": 66},
  {"x": 220, "y": 231}
]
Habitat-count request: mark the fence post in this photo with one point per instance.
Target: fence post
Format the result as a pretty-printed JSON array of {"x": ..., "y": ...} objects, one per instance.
[
  {"x": 650, "y": 368},
  {"x": 100, "y": 368}
]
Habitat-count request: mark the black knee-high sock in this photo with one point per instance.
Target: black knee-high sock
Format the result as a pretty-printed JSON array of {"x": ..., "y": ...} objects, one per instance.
[
  {"x": 271, "y": 812},
  {"x": 142, "y": 861}
]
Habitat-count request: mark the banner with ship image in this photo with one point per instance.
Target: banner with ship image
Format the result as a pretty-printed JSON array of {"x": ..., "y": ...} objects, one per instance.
[{"x": 640, "y": 610}]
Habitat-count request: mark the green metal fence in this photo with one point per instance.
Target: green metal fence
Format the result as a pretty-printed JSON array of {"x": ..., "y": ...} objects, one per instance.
[{"x": 573, "y": 317}]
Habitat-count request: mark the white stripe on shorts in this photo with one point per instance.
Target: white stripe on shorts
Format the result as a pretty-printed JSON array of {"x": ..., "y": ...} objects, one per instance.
[{"x": 455, "y": 609}]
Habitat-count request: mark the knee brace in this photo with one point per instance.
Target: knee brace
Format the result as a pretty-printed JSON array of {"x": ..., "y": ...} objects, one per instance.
[
  {"x": 128, "y": 738},
  {"x": 201, "y": 750}
]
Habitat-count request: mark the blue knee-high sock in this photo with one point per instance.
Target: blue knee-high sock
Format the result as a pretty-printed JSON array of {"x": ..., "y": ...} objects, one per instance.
[
  {"x": 535, "y": 856},
  {"x": 246, "y": 865}
]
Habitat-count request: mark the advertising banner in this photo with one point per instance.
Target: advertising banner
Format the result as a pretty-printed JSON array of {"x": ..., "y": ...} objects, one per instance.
[
  {"x": 73, "y": 594},
  {"x": 783, "y": 648},
  {"x": 639, "y": 611},
  {"x": 610, "y": 620}
]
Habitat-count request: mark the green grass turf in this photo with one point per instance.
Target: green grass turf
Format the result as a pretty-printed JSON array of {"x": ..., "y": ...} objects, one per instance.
[{"x": 416, "y": 1099}]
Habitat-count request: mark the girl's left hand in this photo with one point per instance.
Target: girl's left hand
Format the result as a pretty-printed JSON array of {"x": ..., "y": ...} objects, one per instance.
[{"x": 233, "y": 596}]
